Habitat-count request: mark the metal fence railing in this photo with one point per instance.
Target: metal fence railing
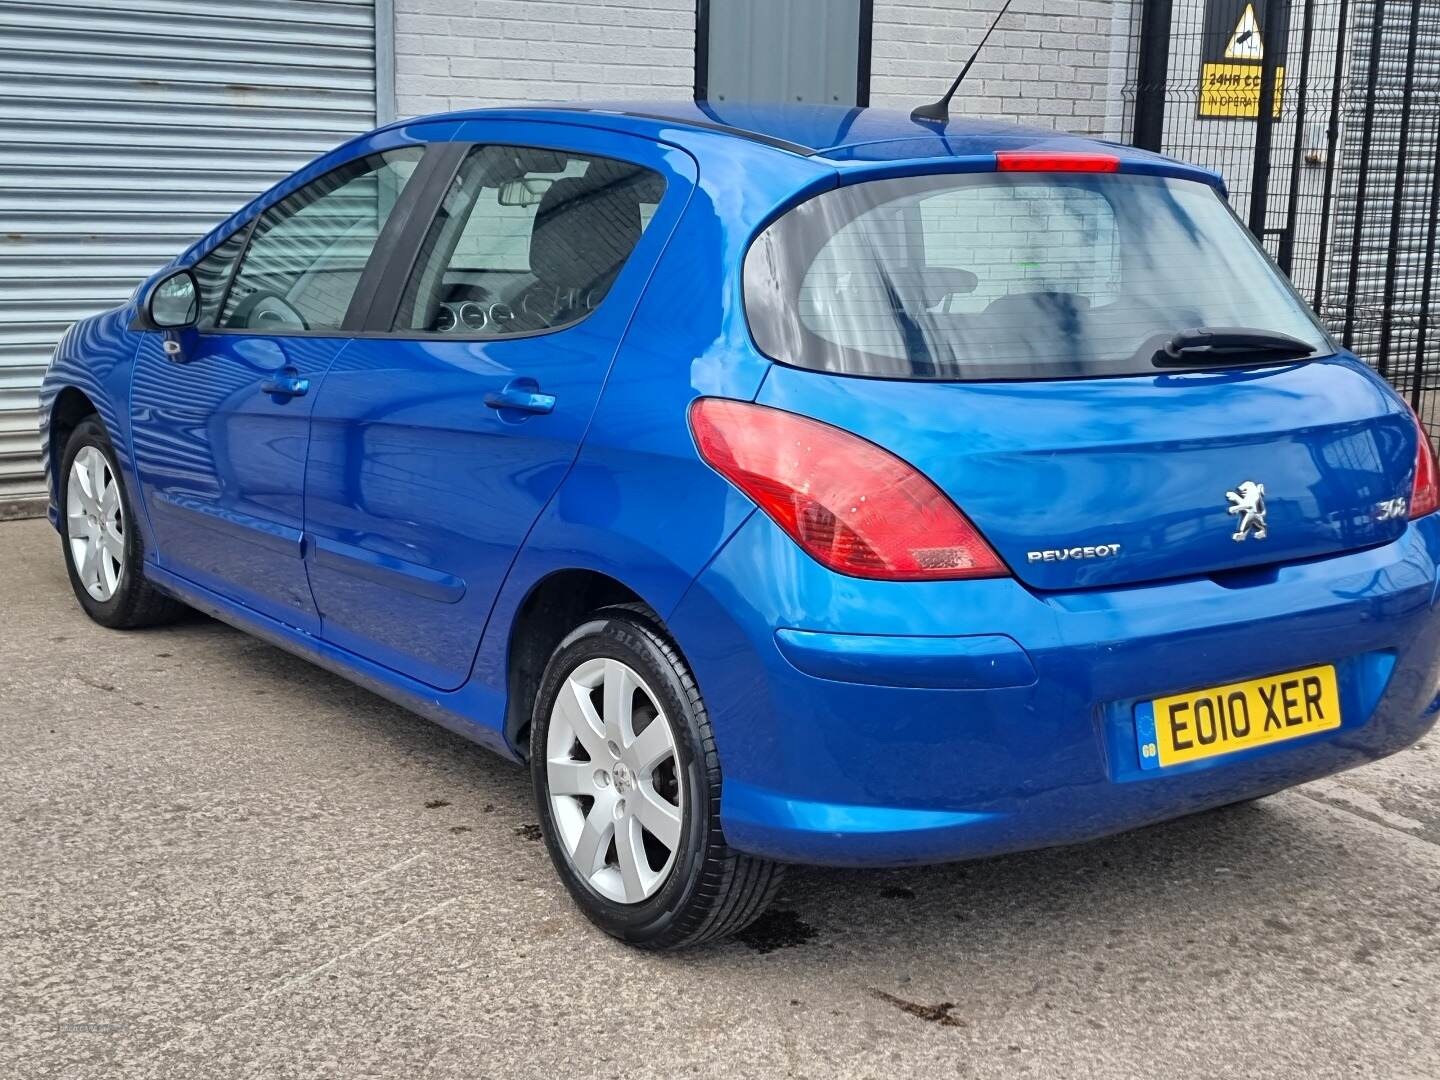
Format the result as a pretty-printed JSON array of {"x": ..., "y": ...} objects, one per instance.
[{"x": 1324, "y": 118}]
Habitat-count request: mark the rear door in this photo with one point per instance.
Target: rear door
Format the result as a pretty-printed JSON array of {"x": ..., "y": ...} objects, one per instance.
[
  {"x": 1003, "y": 333},
  {"x": 441, "y": 434}
]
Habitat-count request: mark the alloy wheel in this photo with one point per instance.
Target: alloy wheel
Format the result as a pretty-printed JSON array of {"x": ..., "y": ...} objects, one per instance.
[
  {"x": 614, "y": 781},
  {"x": 95, "y": 523}
]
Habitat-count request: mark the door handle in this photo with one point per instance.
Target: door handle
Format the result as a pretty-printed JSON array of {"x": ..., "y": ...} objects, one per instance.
[
  {"x": 522, "y": 395},
  {"x": 284, "y": 384}
]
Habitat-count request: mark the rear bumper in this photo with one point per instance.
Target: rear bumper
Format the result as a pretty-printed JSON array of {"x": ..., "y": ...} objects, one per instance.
[{"x": 994, "y": 719}]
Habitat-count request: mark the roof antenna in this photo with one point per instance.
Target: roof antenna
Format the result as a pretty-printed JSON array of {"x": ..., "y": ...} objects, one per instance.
[{"x": 940, "y": 110}]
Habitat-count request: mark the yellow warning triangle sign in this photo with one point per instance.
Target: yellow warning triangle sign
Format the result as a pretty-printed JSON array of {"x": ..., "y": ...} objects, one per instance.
[{"x": 1245, "y": 43}]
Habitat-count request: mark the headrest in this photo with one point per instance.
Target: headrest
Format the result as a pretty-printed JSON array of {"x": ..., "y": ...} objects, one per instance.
[{"x": 585, "y": 229}]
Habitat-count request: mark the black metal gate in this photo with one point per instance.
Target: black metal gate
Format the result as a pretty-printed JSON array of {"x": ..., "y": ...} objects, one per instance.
[{"x": 1324, "y": 118}]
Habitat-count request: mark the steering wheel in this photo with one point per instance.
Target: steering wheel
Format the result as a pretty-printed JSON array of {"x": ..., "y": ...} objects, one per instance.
[{"x": 265, "y": 310}]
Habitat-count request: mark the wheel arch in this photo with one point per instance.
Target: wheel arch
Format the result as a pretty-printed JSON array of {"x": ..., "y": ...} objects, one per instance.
[
  {"x": 628, "y": 525},
  {"x": 554, "y": 606},
  {"x": 69, "y": 409}
]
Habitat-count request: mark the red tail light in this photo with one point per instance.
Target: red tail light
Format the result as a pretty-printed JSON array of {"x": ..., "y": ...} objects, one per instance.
[
  {"x": 1053, "y": 161},
  {"x": 852, "y": 506},
  {"x": 1425, "y": 492}
]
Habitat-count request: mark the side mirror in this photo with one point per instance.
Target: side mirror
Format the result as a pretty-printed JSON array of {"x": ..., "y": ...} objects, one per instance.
[{"x": 174, "y": 301}]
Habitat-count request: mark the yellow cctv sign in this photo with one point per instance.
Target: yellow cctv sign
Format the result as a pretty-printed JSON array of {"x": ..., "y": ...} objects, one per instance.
[
  {"x": 1233, "y": 90},
  {"x": 1233, "y": 58}
]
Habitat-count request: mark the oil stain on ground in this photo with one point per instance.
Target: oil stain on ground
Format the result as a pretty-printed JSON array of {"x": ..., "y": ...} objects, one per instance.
[
  {"x": 530, "y": 831},
  {"x": 937, "y": 1014},
  {"x": 776, "y": 929}
]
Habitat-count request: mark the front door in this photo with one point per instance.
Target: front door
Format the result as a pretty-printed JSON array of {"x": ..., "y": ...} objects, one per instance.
[
  {"x": 439, "y": 437},
  {"x": 221, "y": 430}
]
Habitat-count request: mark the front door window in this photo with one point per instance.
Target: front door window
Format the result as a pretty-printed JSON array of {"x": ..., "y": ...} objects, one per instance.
[{"x": 308, "y": 251}]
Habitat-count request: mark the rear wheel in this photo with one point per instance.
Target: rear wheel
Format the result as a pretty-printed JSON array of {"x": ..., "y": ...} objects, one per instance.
[
  {"x": 103, "y": 549},
  {"x": 627, "y": 782}
]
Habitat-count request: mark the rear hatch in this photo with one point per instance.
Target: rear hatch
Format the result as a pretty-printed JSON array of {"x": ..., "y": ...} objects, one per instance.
[
  {"x": 1007, "y": 335},
  {"x": 1112, "y": 481}
]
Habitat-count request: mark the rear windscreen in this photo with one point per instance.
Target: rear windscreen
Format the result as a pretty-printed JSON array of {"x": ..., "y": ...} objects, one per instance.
[{"x": 1009, "y": 276}]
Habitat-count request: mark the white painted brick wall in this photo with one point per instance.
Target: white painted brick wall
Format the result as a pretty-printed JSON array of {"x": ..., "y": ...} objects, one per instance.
[
  {"x": 458, "y": 54},
  {"x": 1054, "y": 63},
  {"x": 1050, "y": 63}
]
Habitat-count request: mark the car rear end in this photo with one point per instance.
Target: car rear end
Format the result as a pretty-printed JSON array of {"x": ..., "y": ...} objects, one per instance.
[{"x": 1073, "y": 519}]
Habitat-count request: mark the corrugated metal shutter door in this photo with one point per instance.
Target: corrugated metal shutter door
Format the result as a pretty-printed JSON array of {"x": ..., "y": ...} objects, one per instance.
[{"x": 130, "y": 127}]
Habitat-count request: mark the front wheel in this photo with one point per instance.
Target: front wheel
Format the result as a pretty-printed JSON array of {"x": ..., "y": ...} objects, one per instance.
[
  {"x": 627, "y": 782},
  {"x": 104, "y": 553}
]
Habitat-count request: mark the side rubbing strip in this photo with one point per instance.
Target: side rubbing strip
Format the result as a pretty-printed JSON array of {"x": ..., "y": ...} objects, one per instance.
[{"x": 388, "y": 571}]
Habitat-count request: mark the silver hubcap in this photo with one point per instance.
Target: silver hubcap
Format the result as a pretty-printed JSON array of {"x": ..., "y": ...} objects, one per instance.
[
  {"x": 95, "y": 523},
  {"x": 614, "y": 779}
]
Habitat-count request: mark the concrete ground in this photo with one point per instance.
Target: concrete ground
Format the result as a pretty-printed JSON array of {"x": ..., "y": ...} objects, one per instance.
[{"x": 218, "y": 861}]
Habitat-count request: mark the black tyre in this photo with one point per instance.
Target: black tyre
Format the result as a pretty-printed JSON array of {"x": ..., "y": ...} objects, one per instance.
[
  {"x": 104, "y": 552},
  {"x": 627, "y": 784}
]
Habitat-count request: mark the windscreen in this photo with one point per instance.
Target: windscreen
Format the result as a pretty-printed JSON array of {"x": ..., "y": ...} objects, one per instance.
[{"x": 1010, "y": 276}]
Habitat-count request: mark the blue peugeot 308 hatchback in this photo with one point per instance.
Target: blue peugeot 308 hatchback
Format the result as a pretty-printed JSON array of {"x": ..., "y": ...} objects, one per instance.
[{"x": 785, "y": 485}]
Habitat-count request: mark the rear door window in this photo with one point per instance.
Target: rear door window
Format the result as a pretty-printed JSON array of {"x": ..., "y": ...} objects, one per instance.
[
  {"x": 1009, "y": 276},
  {"x": 526, "y": 240}
]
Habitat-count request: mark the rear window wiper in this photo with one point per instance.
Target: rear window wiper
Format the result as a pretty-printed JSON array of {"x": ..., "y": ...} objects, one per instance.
[{"x": 1228, "y": 345}]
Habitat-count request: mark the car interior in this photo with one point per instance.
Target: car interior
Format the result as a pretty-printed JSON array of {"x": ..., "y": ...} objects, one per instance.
[{"x": 527, "y": 240}]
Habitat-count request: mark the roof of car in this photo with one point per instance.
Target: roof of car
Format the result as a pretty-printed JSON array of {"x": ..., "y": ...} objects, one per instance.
[
  {"x": 833, "y": 132},
  {"x": 866, "y": 143}
]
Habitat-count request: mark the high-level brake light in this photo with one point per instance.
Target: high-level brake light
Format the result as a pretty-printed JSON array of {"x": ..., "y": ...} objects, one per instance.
[{"x": 1054, "y": 161}]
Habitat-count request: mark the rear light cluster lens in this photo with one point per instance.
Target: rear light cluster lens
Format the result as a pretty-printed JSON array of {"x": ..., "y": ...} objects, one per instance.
[
  {"x": 1425, "y": 492},
  {"x": 854, "y": 507}
]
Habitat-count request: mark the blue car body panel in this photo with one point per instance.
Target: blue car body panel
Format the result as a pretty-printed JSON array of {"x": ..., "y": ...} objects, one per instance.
[
  {"x": 389, "y": 526},
  {"x": 823, "y": 770},
  {"x": 94, "y": 358},
  {"x": 221, "y": 464}
]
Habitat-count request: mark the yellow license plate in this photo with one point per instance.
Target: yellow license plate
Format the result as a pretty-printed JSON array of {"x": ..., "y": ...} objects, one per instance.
[{"x": 1206, "y": 723}]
